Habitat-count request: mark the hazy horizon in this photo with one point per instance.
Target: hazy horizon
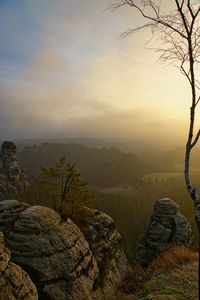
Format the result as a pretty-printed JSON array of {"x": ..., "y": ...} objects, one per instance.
[
  {"x": 127, "y": 145},
  {"x": 65, "y": 71}
]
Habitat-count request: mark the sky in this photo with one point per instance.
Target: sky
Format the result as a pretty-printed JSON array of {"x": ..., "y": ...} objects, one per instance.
[{"x": 66, "y": 72}]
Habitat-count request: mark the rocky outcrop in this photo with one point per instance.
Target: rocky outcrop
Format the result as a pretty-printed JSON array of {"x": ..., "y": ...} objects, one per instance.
[
  {"x": 15, "y": 284},
  {"x": 167, "y": 227},
  {"x": 12, "y": 177},
  {"x": 106, "y": 245},
  {"x": 56, "y": 254},
  {"x": 3, "y": 191}
]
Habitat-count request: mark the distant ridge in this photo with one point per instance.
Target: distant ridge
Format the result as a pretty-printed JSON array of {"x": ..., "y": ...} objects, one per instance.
[{"x": 106, "y": 166}]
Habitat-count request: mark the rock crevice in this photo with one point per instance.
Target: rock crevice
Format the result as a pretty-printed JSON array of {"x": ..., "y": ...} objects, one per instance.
[
  {"x": 15, "y": 283},
  {"x": 56, "y": 254}
]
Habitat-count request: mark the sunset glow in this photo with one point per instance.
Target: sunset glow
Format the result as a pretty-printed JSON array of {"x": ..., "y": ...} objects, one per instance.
[{"x": 65, "y": 71}]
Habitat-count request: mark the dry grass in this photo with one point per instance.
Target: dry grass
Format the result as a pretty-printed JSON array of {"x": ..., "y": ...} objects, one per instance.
[
  {"x": 186, "y": 278},
  {"x": 173, "y": 257},
  {"x": 181, "y": 283},
  {"x": 133, "y": 280},
  {"x": 176, "y": 261}
]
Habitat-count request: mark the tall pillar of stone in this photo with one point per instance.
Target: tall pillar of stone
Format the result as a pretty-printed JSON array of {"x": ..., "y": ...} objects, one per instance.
[{"x": 167, "y": 227}]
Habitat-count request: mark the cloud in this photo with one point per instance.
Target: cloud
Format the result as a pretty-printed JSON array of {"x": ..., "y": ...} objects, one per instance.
[
  {"x": 64, "y": 113},
  {"x": 78, "y": 78}
]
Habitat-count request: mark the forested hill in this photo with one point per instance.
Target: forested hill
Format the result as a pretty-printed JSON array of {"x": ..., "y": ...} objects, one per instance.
[{"x": 107, "y": 166}]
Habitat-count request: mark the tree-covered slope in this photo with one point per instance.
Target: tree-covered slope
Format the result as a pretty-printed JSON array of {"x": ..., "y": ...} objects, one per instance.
[{"x": 100, "y": 166}]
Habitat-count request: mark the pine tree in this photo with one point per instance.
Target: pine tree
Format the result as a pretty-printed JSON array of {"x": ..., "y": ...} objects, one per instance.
[{"x": 65, "y": 184}]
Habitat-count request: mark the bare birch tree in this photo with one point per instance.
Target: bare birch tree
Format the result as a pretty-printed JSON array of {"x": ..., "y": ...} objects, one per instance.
[{"x": 179, "y": 32}]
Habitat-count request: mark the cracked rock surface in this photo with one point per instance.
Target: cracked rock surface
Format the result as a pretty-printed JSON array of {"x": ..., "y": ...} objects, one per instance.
[
  {"x": 167, "y": 227},
  {"x": 54, "y": 253},
  {"x": 15, "y": 283},
  {"x": 106, "y": 245},
  {"x": 62, "y": 262}
]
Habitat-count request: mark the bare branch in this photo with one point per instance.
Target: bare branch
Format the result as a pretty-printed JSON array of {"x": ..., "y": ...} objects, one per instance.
[
  {"x": 190, "y": 9},
  {"x": 197, "y": 101},
  {"x": 183, "y": 17},
  {"x": 157, "y": 19},
  {"x": 135, "y": 30},
  {"x": 196, "y": 139},
  {"x": 185, "y": 73},
  {"x": 182, "y": 4}
]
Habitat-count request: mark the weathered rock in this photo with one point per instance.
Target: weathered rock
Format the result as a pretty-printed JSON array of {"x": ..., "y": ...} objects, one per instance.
[
  {"x": 12, "y": 177},
  {"x": 54, "y": 253},
  {"x": 167, "y": 227},
  {"x": 2, "y": 184},
  {"x": 9, "y": 211},
  {"x": 57, "y": 256},
  {"x": 15, "y": 284},
  {"x": 106, "y": 245}
]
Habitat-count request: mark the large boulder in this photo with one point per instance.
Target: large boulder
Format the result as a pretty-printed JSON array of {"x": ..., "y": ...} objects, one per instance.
[
  {"x": 56, "y": 254},
  {"x": 167, "y": 227},
  {"x": 15, "y": 284}
]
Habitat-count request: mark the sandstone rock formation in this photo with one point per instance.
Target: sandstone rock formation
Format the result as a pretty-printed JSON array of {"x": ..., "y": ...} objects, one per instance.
[
  {"x": 56, "y": 254},
  {"x": 167, "y": 227},
  {"x": 12, "y": 177},
  {"x": 15, "y": 284},
  {"x": 2, "y": 184},
  {"x": 106, "y": 245}
]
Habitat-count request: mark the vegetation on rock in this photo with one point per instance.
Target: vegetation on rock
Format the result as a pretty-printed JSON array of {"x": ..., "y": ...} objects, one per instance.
[
  {"x": 62, "y": 188},
  {"x": 174, "y": 275}
]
